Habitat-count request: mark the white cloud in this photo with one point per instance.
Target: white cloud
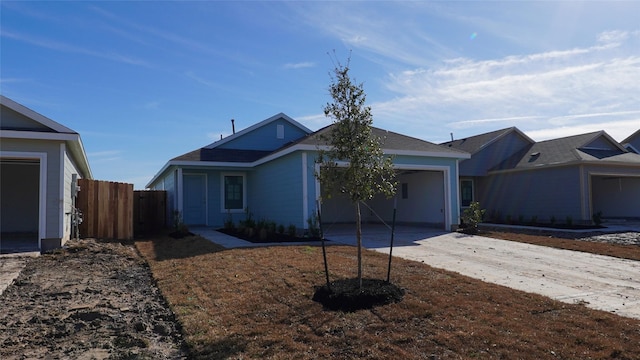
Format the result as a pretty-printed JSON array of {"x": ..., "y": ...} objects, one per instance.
[
  {"x": 560, "y": 88},
  {"x": 300, "y": 65}
]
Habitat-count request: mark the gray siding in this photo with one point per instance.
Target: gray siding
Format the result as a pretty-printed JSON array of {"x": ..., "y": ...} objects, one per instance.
[
  {"x": 543, "y": 193},
  {"x": 12, "y": 120},
  {"x": 70, "y": 168}
]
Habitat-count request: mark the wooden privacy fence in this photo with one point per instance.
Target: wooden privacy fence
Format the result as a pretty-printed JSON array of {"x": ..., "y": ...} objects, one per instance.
[
  {"x": 107, "y": 209},
  {"x": 149, "y": 211}
]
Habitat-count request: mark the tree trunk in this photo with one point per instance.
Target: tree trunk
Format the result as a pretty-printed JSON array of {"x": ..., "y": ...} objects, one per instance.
[{"x": 359, "y": 239}]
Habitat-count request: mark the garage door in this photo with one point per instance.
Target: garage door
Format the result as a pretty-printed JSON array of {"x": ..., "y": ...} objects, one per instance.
[
  {"x": 616, "y": 196},
  {"x": 19, "y": 204}
]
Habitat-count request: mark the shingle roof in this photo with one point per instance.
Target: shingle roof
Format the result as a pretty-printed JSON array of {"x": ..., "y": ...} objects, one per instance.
[
  {"x": 475, "y": 143},
  {"x": 631, "y": 137},
  {"x": 390, "y": 141},
  {"x": 566, "y": 150},
  {"x": 222, "y": 155}
]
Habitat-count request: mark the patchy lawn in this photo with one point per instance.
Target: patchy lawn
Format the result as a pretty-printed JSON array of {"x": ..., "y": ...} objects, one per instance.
[
  {"x": 568, "y": 241},
  {"x": 257, "y": 303}
]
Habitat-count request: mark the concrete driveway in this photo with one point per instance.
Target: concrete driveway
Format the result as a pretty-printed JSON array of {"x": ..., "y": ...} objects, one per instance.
[{"x": 599, "y": 282}]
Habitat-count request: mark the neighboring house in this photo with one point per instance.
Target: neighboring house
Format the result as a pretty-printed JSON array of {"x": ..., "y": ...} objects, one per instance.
[
  {"x": 632, "y": 143},
  {"x": 269, "y": 169},
  {"x": 39, "y": 158},
  {"x": 572, "y": 177}
]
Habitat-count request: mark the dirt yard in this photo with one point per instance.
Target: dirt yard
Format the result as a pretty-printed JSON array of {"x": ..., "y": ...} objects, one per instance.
[{"x": 92, "y": 300}]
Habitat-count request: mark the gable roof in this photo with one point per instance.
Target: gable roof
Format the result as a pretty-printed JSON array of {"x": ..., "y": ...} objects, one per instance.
[
  {"x": 475, "y": 143},
  {"x": 45, "y": 129},
  {"x": 632, "y": 142},
  {"x": 256, "y": 126},
  {"x": 590, "y": 147},
  {"x": 212, "y": 155}
]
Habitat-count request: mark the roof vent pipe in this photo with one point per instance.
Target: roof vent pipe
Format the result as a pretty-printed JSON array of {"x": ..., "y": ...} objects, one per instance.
[
  {"x": 233, "y": 126},
  {"x": 451, "y": 136}
]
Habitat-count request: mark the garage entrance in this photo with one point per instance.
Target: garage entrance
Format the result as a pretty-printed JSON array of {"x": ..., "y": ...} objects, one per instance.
[
  {"x": 420, "y": 201},
  {"x": 614, "y": 196},
  {"x": 19, "y": 205}
]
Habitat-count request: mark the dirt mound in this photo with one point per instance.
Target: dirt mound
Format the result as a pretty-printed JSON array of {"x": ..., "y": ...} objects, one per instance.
[
  {"x": 91, "y": 300},
  {"x": 347, "y": 295}
]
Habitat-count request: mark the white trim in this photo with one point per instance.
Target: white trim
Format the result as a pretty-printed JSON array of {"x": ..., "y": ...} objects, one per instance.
[
  {"x": 446, "y": 179},
  {"x": 258, "y": 125},
  {"x": 42, "y": 201},
  {"x": 244, "y": 192},
  {"x": 61, "y": 193},
  {"x": 37, "y": 135},
  {"x": 179, "y": 192},
  {"x": 629, "y": 146},
  {"x": 291, "y": 149},
  {"x": 591, "y": 174},
  {"x": 473, "y": 190},
  {"x": 583, "y": 206},
  {"x": 305, "y": 191}
]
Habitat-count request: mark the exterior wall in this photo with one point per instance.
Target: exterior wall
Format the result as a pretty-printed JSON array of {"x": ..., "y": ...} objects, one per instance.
[
  {"x": 54, "y": 197},
  {"x": 276, "y": 190},
  {"x": 492, "y": 155},
  {"x": 601, "y": 143},
  {"x": 265, "y": 137},
  {"x": 542, "y": 193},
  {"x": 68, "y": 202},
  {"x": 16, "y": 121}
]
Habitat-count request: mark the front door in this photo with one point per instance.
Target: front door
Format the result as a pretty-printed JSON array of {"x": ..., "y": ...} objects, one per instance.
[{"x": 195, "y": 200}]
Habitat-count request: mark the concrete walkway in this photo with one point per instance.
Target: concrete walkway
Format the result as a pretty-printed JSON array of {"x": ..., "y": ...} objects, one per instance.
[{"x": 600, "y": 282}]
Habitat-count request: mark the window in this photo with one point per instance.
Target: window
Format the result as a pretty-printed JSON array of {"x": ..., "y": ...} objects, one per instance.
[
  {"x": 280, "y": 131},
  {"x": 466, "y": 192},
  {"x": 233, "y": 192}
]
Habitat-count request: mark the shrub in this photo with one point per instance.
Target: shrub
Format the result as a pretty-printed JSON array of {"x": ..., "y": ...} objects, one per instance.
[
  {"x": 472, "y": 216},
  {"x": 552, "y": 220},
  {"x": 280, "y": 229},
  {"x": 597, "y": 218},
  {"x": 292, "y": 231},
  {"x": 534, "y": 220},
  {"x": 314, "y": 229},
  {"x": 569, "y": 220}
]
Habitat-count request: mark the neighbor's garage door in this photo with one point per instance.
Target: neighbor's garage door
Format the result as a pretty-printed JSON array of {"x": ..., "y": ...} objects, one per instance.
[
  {"x": 420, "y": 201},
  {"x": 19, "y": 194},
  {"x": 616, "y": 196}
]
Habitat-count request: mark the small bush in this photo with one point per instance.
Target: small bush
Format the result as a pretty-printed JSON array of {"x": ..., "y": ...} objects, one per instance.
[
  {"x": 472, "y": 216},
  {"x": 280, "y": 229},
  {"x": 292, "y": 231},
  {"x": 534, "y": 219},
  {"x": 552, "y": 220},
  {"x": 569, "y": 220},
  {"x": 597, "y": 218}
]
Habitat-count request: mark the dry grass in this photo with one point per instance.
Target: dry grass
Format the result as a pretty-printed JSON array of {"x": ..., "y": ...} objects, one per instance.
[
  {"x": 256, "y": 303},
  {"x": 565, "y": 241}
]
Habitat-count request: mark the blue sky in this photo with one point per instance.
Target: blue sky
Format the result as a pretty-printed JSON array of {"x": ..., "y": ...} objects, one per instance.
[{"x": 143, "y": 82}]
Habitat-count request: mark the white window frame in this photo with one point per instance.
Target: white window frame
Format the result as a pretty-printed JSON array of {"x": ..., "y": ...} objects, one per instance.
[
  {"x": 223, "y": 192},
  {"x": 473, "y": 192}
]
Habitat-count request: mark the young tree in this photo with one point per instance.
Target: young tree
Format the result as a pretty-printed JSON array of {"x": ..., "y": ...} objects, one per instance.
[{"x": 354, "y": 163}]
